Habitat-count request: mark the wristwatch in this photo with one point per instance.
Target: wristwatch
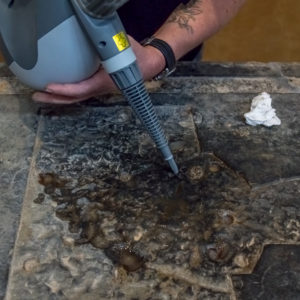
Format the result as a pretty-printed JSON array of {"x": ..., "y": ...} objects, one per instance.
[{"x": 168, "y": 54}]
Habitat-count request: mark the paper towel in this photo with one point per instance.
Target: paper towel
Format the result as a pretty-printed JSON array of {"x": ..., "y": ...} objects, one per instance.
[{"x": 261, "y": 112}]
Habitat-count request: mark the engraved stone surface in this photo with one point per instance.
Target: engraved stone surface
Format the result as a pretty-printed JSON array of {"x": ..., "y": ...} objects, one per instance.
[
  {"x": 113, "y": 220},
  {"x": 113, "y": 211},
  {"x": 103, "y": 217}
]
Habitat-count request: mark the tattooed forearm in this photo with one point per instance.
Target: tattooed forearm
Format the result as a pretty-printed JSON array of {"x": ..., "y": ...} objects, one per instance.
[{"x": 185, "y": 13}]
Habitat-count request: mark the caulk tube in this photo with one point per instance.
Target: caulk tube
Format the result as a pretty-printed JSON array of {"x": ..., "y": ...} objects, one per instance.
[{"x": 118, "y": 59}]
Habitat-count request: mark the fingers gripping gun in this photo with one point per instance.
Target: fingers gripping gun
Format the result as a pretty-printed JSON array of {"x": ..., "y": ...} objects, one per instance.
[{"x": 102, "y": 25}]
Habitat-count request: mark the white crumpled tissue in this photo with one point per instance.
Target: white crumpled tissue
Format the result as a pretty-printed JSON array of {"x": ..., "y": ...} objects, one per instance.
[{"x": 261, "y": 112}]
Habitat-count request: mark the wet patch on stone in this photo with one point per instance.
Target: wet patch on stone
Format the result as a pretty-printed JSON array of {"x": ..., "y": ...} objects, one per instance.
[{"x": 154, "y": 215}]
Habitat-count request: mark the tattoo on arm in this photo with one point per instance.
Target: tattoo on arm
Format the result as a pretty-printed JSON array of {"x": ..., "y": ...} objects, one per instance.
[{"x": 184, "y": 13}]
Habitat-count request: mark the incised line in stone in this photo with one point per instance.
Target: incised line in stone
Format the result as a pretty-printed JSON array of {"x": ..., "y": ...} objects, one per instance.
[{"x": 239, "y": 175}]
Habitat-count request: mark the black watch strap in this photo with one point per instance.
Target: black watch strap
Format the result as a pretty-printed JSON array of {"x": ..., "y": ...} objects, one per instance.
[{"x": 168, "y": 54}]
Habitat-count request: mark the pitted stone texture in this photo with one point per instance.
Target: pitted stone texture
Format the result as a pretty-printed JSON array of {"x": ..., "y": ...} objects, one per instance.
[
  {"x": 110, "y": 199},
  {"x": 225, "y": 85},
  {"x": 18, "y": 123},
  {"x": 109, "y": 205},
  {"x": 9, "y": 85},
  {"x": 108, "y": 160},
  {"x": 249, "y": 69},
  {"x": 262, "y": 155},
  {"x": 290, "y": 69},
  {"x": 274, "y": 279},
  {"x": 4, "y": 71}
]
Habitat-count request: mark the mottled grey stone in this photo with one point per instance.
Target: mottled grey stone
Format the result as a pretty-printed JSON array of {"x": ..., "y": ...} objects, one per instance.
[
  {"x": 90, "y": 152},
  {"x": 261, "y": 154},
  {"x": 276, "y": 276},
  {"x": 4, "y": 71},
  {"x": 228, "y": 85},
  {"x": 18, "y": 128},
  {"x": 104, "y": 218},
  {"x": 291, "y": 69},
  {"x": 228, "y": 69},
  {"x": 194, "y": 230}
]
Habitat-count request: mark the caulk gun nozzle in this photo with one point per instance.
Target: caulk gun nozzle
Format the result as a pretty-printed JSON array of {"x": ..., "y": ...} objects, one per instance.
[
  {"x": 173, "y": 166},
  {"x": 167, "y": 154}
]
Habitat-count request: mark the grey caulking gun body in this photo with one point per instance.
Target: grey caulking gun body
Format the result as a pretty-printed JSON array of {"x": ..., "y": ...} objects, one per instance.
[{"x": 46, "y": 41}]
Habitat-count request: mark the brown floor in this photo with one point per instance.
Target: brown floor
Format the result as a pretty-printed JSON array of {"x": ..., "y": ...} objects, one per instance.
[{"x": 263, "y": 31}]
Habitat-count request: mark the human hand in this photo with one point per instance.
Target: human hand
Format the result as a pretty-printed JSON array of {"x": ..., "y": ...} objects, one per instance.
[{"x": 150, "y": 61}]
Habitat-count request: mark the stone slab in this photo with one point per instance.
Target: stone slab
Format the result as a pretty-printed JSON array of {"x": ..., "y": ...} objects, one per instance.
[
  {"x": 263, "y": 155},
  {"x": 254, "y": 69},
  {"x": 206, "y": 78},
  {"x": 104, "y": 218},
  {"x": 18, "y": 123}
]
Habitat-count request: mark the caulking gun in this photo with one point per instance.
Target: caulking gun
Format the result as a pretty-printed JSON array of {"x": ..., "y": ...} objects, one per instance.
[{"x": 45, "y": 41}]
